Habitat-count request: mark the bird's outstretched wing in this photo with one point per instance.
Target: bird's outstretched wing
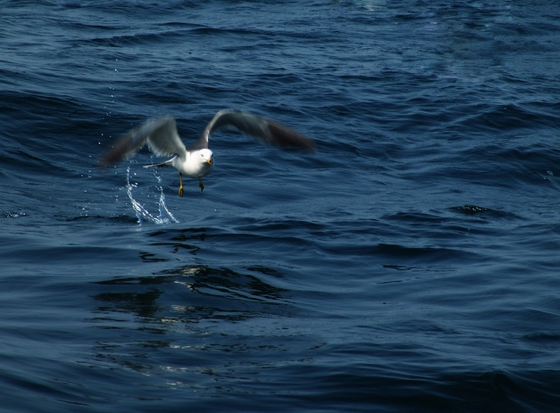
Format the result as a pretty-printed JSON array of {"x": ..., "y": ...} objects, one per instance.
[
  {"x": 258, "y": 127},
  {"x": 160, "y": 134}
]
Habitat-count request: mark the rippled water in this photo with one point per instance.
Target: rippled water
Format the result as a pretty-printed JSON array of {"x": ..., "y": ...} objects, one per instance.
[{"x": 410, "y": 265}]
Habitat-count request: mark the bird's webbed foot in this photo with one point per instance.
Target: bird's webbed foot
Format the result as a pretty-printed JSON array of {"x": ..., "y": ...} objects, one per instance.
[{"x": 200, "y": 185}]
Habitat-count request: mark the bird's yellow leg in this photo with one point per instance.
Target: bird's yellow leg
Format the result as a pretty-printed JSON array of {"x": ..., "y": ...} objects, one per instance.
[
  {"x": 180, "y": 184},
  {"x": 200, "y": 185}
]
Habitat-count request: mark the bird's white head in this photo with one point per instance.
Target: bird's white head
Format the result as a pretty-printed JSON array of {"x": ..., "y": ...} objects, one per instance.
[
  {"x": 205, "y": 159},
  {"x": 206, "y": 155}
]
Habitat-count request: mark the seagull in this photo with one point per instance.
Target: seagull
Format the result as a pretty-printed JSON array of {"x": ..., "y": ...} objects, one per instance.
[{"x": 197, "y": 161}]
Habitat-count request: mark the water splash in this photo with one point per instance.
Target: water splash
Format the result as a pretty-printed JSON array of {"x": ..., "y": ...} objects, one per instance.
[{"x": 165, "y": 216}]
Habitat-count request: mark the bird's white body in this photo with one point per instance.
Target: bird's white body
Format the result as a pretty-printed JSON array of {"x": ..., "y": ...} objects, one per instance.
[{"x": 197, "y": 164}]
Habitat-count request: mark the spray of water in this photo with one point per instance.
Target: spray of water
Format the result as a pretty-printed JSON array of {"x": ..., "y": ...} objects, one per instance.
[{"x": 165, "y": 216}]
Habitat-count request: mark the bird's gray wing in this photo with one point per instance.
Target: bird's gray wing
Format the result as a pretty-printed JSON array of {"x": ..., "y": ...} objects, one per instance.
[
  {"x": 258, "y": 127},
  {"x": 160, "y": 134}
]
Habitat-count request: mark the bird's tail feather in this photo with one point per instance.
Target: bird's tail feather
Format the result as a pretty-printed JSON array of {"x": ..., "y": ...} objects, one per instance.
[{"x": 159, "y": 165}]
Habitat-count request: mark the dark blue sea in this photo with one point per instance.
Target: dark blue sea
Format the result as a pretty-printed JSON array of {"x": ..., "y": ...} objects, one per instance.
[{"x": 411, "y": 264}]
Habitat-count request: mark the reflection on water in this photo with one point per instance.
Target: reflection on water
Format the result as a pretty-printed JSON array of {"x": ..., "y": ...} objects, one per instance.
[
  {"x": 142, "y": 296},
  {"x": 199, "y": 327},
  {"x": 227, "y": 283}
]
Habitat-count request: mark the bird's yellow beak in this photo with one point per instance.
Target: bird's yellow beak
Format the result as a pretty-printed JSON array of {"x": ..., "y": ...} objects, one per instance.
[{"x": 209, "y": 161}]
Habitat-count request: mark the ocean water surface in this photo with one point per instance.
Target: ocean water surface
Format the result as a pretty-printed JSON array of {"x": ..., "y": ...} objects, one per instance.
[{"x": 410, "y": 264}]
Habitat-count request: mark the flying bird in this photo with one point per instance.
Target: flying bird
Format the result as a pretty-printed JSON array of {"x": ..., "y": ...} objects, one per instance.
[{"x": 197, "y": 160}]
